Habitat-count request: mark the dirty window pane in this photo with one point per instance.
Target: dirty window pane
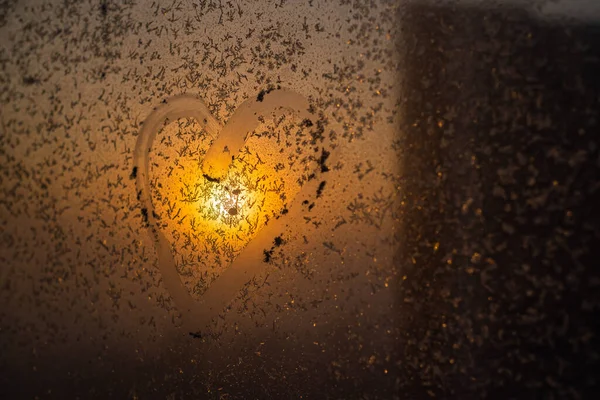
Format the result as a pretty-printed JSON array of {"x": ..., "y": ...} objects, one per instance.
[{"x": 297, "y": 199}]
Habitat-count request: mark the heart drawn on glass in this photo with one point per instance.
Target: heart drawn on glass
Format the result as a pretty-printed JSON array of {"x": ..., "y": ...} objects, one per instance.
[{"x": 230, "y": 140}]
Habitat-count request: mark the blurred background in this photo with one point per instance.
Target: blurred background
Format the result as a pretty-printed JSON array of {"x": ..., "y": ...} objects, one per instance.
[{"x": 449, "y": 251}]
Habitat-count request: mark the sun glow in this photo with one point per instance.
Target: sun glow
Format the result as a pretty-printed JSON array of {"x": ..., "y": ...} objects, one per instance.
[
  {"x": 234, "y": 209},
  {"x": 209, "y": 222},
  {"x": 228, "y": 204}
]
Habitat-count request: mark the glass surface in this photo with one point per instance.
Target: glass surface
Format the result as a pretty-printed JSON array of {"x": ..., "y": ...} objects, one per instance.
[{"x": 298, "y": 199}]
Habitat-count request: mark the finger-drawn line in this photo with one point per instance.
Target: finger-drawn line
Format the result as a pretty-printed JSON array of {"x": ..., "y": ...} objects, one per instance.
[{"x": 228, "y": 144}]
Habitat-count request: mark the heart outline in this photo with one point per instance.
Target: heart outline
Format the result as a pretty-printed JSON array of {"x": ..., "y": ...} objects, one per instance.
[{"x": 231, "y": 138}]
